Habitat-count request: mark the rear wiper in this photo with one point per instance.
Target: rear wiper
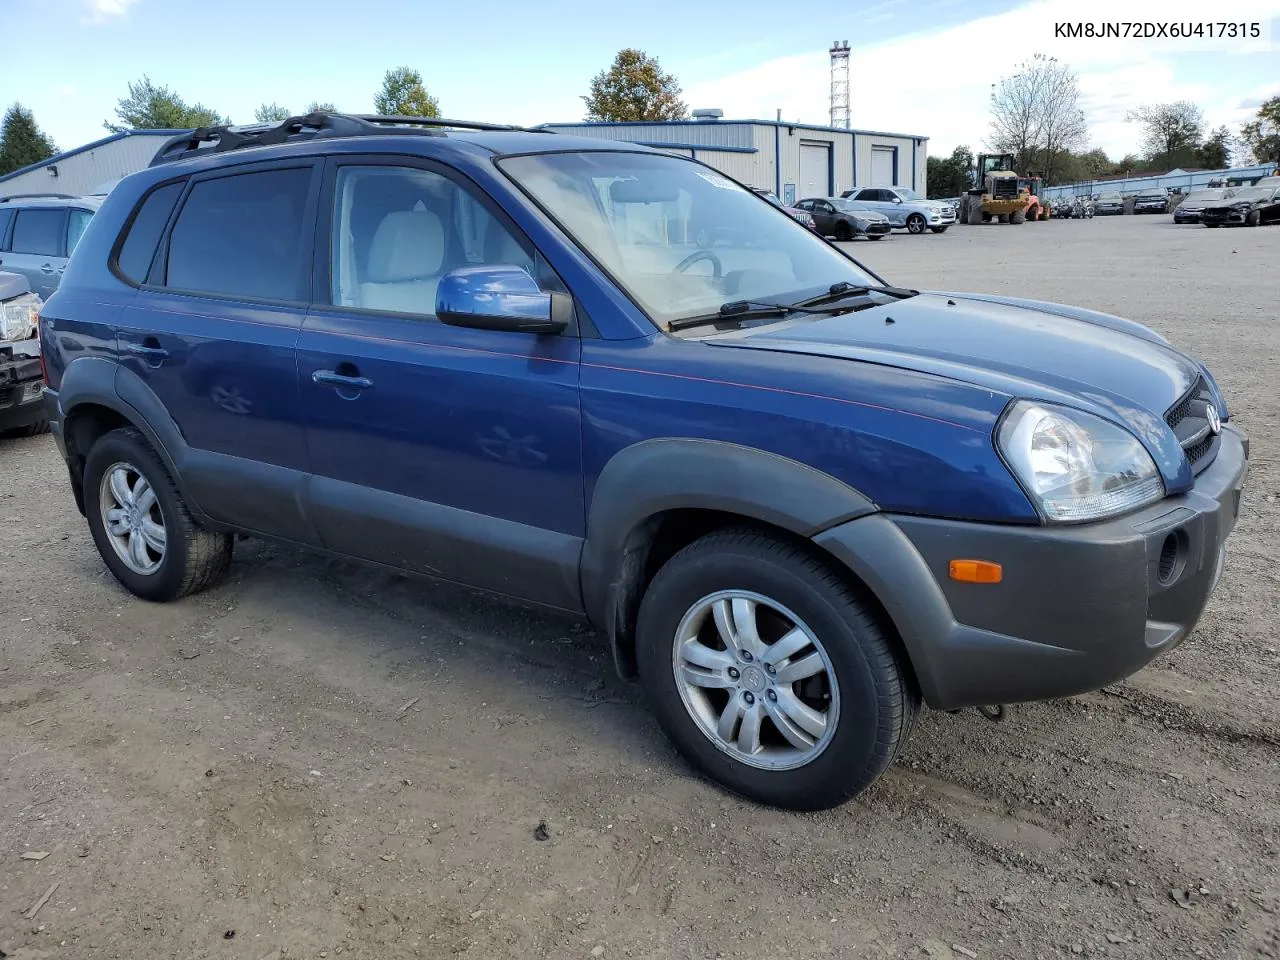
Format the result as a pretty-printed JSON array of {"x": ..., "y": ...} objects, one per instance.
[
  {"x": 738, "y": 310},
  {"x": 844, "y": 290}
]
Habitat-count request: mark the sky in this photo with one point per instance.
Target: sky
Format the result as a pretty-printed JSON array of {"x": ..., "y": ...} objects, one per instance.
[{"x": 923, "y": 67}]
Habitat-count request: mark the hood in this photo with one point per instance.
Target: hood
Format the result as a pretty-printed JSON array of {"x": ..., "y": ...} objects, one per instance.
[
  {"x": 1111, "y": 367},
  {"x": 871, "y": 216}
]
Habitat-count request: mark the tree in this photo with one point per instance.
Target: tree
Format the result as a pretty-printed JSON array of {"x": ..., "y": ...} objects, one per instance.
[
  {"x": 21, "y": 141},
  {"x": 271, "y": 113},
  {"x": 1036, "y": 115},
  {"x": 1215, "y": 152},
  {"x": 634, "y": 88},
  {"x": 1170, "y": 132},
  {"x": 315, "y": 106},
  {"x": 403, "y": 95},
  {"x": 950, "y": 176},
  {"x": 148, "y": 107},
  {"x": 1262, "y": 136}
]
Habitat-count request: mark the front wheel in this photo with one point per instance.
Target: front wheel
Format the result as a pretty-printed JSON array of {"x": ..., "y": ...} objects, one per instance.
[
  {"x": 916, "y": 223},
  {"x": 769, "y": 674},
  {"x": 141, "y": 525},
  {"x": 1253, "y": 219},
  {"x": 843, "y": 232}
]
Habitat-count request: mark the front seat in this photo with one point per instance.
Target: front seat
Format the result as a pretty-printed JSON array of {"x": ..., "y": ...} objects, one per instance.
[{"x": 405, "y": 260}]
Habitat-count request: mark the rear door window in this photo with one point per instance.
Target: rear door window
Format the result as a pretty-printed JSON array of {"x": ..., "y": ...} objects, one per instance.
[
  {"x": 242, "y": 236},
  {"x": 38, "y": 232}
]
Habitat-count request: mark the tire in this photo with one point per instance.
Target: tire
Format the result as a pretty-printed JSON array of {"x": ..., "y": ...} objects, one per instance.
[
  {"x": 916, "y": 223},
  {"x": 843, "y": 231},
  {"x": 938, "y": 229},
  {"x": 874, "y": 702},
  {"x": 1017, "y": 216},
  {"x": 192, "y": 559},
  {"x": 1253, "y": 219},
  {"x": 875, "y": 236},
  {"x": 30, "y": 430}
]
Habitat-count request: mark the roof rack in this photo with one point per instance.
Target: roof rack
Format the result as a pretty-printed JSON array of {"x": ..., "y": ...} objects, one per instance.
[
  {"x": 35, "y": 196},
  {"x": 315, "y": 125}
]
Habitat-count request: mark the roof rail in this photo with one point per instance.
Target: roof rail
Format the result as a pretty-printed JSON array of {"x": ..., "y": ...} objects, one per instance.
[
  {"x": 34, "y": 196},
  {"x": 315, "y": 125}
]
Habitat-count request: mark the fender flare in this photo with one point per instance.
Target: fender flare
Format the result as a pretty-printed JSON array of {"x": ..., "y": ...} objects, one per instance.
[
  {"x": 652, "y": 477},
  {"x": 102, "y": 382}
]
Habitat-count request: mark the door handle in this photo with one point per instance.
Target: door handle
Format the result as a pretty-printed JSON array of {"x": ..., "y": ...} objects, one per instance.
[
  {"x": 143, "y": 350},
  {"x": 47, "y": 269},
  {"x": 333, "y": 379}
]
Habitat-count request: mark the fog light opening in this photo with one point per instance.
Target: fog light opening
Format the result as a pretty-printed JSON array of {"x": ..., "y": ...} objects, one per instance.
[{"x": 1172, "y": 554}]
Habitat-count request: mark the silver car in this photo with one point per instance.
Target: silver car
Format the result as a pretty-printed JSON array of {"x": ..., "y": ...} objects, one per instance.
[
  {"x": 38, "y": 234},
  {"x": 905, "y": 208}
]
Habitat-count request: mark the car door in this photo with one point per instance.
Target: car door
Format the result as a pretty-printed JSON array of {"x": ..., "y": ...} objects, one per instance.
[
  {"x": 209, "y": 339},
  {"x": 879, "y": 201},
  {"x": 37, "y": 245},
  {"x": 1270, "y": 211},
  {"x": 444, "y": 450},
  {"x": 826, "y": 214}
]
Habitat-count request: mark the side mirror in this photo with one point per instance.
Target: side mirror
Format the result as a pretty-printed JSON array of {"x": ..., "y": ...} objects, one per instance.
[
  {"x": 499, "y": 297},
  {"x": 897, "y": 199}
]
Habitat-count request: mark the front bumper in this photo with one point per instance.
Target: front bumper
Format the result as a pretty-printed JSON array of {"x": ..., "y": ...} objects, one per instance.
[
  {"x": 21, "y": 404},
  {"x": 1078, "y": 607},
  {"x": 1186, "y": 216},
  {"x": 877, "y": 228},
  {"x": 1229, "y": 218}
]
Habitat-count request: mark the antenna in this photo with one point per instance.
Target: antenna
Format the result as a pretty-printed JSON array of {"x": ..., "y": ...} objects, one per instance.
[{"x": 840, "y": 84}]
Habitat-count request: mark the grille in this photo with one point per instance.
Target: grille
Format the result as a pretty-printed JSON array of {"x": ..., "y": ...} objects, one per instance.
[
  {"x": 1189, "y": 420},
  {"x": 6, "y": 395},
  {"x": 1005, "y": 188}
]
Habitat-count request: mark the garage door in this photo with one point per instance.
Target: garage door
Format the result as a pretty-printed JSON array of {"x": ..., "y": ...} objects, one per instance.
[
  {"x": 815, "y": 170},
  {"x": 883, "y": 164}
]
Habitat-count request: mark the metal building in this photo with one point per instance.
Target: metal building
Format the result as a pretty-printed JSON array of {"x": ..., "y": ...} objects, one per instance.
[
  {"x": 92, "y": 168},
  {"x": 794, "y": 160}
]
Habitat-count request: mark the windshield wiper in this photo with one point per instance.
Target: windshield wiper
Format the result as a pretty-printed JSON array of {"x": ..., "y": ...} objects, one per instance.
[
  {"x": 739, "y": 310},
  {"x": 844, "y": 290}
]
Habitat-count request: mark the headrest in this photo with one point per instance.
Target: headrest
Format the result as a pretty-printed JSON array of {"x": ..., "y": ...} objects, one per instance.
[{"x": 408, "y": 245}]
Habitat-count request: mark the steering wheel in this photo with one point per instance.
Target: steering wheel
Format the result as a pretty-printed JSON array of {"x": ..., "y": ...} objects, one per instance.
[{"x": 717, "y": 268}]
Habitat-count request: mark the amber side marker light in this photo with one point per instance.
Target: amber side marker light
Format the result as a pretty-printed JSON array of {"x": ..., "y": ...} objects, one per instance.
[{"x": 976, "y": 571}]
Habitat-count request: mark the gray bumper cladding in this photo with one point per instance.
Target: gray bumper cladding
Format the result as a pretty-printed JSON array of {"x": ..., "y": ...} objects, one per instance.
[{"x": 1078, "y": 607}]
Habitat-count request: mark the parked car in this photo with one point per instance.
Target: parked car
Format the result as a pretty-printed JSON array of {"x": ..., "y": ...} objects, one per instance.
[
  {"x": 38, "y": 234},
  {"x": 1108, "y": 204},
  {"x": 797, "y": 500},
  {"x": 1194, "y": 203},
  {"x": 845, "y": 219},
  {"x": 22, "y": 408},
  {"x": 1153, "y": 200},
  {"x": 799, "y": 215},
  {"x": 1249, "y": 206},
  {"x": 905, "y": 208}
]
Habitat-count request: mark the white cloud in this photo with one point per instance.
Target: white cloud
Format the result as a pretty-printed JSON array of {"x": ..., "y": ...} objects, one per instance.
[
  {"x": 100, "y": 10},
  {"x": 937, "y": 83}
]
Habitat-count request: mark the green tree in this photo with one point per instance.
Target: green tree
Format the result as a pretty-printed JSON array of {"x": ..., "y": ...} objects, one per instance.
[
  {"x": 148, "y": 107},
  {"x": 1170, "y": 132},
  {"x": 403, "y": 95},
  {"x": 950, "y": 176},
  {"x": 316, "y": 106},
  {"x": 634, "y": 88},
  {"x": 1215, "y": 152},
  {"x": 1262, "y": 136},
  {"x": 21, "y": 141},
  {"x": 271, "y": 113}
]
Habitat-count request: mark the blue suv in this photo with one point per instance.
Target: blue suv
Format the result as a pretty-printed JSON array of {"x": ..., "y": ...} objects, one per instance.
[{"x": 800, "y": 501}]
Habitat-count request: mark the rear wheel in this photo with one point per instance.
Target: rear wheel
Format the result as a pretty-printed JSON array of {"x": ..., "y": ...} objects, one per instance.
[
  {"x": 769, "y": 674},
  {"x": 142, "y": 526},
  {"x": 1017, "y": 217},
  {"x": 916, "y": 223}
]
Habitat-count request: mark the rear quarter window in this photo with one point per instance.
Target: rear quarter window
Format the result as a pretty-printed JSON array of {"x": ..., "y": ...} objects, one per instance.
[
  {"x": 6, "y": 217},
  {"x": 142, "y": 235}
]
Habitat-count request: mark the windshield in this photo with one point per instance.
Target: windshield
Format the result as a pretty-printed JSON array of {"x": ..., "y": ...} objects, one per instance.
[
  {"x": 907, "y": 194},
  {"x": 1205, "y": 195},
  {"x": 678, "y": 237},
  {"x": 1152, "y": 193},
  {"x": 1110, "y": 196}
]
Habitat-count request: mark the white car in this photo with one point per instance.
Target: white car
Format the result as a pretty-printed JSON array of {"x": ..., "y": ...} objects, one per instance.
[{"x": 905, "y": 208}]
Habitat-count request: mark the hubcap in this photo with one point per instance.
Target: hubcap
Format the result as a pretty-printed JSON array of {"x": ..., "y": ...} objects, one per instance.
[
  {"x": 756, "y": 680},
  {"x": 132, "y": 518}
]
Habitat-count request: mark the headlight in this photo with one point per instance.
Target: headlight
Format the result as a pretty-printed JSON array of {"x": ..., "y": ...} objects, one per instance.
[
  {"x": 1076, "y": 466},
  {"x": 18, "y": 317}
]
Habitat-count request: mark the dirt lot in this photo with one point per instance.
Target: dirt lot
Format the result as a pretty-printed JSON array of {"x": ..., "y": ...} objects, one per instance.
[{"x": 236, "y": 776}]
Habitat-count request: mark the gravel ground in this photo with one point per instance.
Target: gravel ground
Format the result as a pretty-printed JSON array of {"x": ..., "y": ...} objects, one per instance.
[{"x": 238, "y": 776}]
